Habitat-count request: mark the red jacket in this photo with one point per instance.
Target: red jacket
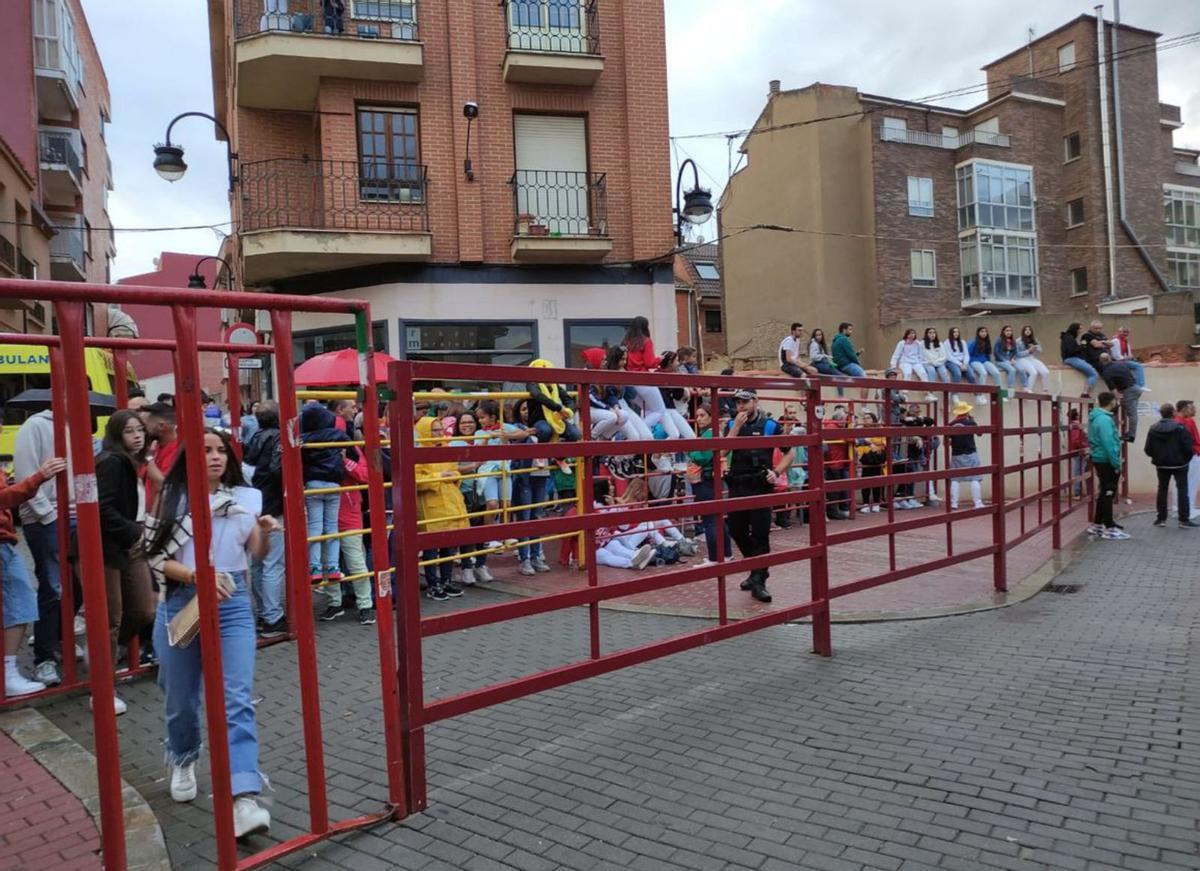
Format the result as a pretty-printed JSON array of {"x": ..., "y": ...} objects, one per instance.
[
  {"x": 350, "y": 513},
  {"x": 1076, "y": 437},
  {"x": 1189, "y": 423},
  {"x": 641, "y": 359},
  {"x": 838, "y": 455},
  {"x": 11, "y": 496}
]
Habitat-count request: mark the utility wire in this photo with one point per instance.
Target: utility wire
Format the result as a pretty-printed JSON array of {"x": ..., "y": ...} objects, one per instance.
[{"x": 1047, "y": 72}]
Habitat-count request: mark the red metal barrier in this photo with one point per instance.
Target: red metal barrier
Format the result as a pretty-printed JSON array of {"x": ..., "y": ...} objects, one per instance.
[
  {"x": 71, "y": 406},
  {"x": 418, "y": 712}
]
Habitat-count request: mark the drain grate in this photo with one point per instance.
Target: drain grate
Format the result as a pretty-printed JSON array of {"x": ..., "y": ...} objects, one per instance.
[{"x": 1064, "y": 588}]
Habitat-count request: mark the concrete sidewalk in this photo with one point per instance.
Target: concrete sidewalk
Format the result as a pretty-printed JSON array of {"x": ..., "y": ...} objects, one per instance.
[{"x": 1061, "y": 732}]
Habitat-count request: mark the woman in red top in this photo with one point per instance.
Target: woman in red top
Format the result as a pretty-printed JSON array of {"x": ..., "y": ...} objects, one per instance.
[
  {"x": 640, "y": 357},
  {"x": 1077, "y": 444}
]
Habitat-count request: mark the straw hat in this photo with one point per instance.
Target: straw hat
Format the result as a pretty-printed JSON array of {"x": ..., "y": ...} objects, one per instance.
[{"x": 962, "y": 407}]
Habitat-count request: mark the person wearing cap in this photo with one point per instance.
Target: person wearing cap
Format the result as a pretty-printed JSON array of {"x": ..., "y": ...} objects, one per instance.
[
  {"x": 965, "y": 455},
  {"x": 751, "y": 474}
]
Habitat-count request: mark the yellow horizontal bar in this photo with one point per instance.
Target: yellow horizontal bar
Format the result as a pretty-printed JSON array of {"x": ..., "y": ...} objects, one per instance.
[
  {"x": 428, "y": 396},
  {"x": 347, "y": 580},
  {"x": 328, "y": 394},
  {"x": 487, "y": 550},
  {"x": 349, "y": 488},
  {"x": 349, "y": 532},
  {"x": 352, "y": 444}
]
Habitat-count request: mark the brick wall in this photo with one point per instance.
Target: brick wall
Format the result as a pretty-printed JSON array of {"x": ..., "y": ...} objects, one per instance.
[{"x": 465, "y": 42}]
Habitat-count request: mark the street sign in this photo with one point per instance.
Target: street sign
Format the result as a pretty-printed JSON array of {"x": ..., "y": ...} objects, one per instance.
[
  {"x": 241, "y": 334},
  {"x": 250, "y": 363}
]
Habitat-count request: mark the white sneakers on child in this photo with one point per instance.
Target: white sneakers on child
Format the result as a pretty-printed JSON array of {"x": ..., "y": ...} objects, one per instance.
[
  {"x": 183, "y": 782},
  {"x": 119, "y": 706},
  {"x": 15, "y": 683},
  {"x": 642, "y": 558}
]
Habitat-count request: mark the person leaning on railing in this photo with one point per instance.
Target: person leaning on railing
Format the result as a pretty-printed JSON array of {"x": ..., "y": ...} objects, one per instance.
[
  {"x": 556, "y": 412},
  {"x": 440, "y": 506}
]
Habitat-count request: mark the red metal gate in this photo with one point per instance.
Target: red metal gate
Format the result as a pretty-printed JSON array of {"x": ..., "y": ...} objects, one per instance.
[
  {"x": 407, "y": 455},
  {"x": 71, "y": 404}
]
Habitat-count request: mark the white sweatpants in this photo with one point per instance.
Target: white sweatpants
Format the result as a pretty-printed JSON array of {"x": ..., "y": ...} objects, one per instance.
[
  {"x": 976, "y": 491},
  {"x": 1031, "y": 368},
  {"x": 635, "y": 421},
  {"x": 909, "y": 372}
]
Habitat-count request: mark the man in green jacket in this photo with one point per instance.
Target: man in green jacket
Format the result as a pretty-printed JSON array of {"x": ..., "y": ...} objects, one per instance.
[
  {"x": 1105, "y": 443},
  {"x": 845, "y": 357}
]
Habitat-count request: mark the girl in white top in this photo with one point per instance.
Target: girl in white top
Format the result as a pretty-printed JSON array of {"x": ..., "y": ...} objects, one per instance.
[
  {"x": 909, "y": 357},
  {"x": 1027, "y": 361},
  {"x": 935, "y": 357},
  {"x": 237, "y": 536}
]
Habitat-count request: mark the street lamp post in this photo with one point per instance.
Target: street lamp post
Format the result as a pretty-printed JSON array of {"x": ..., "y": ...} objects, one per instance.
[
  {"x": 196, "y": 280},
  {"x": 168, "y": 156},
  {"x": 696, "y": 207}
]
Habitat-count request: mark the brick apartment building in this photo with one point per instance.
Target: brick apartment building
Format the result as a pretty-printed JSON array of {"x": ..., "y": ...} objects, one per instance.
[
  {"x": 701, "y": 320},
  {"x": 926, "y": 214},
  {"x": 536, "y": 228},
  {"x": 55, "y": 173}
]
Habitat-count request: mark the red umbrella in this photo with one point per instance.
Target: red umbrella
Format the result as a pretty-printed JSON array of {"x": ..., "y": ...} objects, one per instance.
[{"x": 339, "y": 368}]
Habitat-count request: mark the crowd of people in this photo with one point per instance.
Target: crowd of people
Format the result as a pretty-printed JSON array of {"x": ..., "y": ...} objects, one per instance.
[{"x": 147, "y": 535}]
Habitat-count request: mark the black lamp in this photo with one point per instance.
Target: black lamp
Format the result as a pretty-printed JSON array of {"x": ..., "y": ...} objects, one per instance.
[
  {"x": 697, "y": 206},
  {"x": 196, "y": 280},
  {"x": 168, "y": 157}
]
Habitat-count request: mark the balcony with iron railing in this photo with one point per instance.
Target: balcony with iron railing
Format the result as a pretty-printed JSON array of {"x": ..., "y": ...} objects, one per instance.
[
  {"x": 308, "y": 216},
  {"x": 8, "y": 256},
  {"x": 26, "y": 268},
  {"x": 553, "y": 42},
  {"x": 283, "y": 48},
  {"x": 61, "y": 158},
  {"x": 68, "y": 251},
  {"x": 57, "y": 63},
  {"x": 932, "y": 139},
  {"x": 560, "y": 216}
]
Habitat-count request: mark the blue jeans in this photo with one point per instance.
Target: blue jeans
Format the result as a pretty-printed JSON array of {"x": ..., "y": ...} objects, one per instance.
[
  {"x": 20, "y": 601},
  {"x": 1010, "y": 373},
  {"x": 957, "y": 374},
  {"x": 47, "y": 631},
  {"x": 703, "y": 492},
  {"x": 1084, "y": 368},
  {"x": 853, "y": 370},
  {"x": 266, "y": 578},
  {"x": 984, "y": 368},
  {"x": 180, "y": 675},
  {"x": 322, "y": 512},
  {"x": 439, "y": 573},
  {"x": 938, "y": 373},
  {"x": 1139, "y": 372},
  {"x": 529, "y": 490},
  {"x": 545, "y": 433}
]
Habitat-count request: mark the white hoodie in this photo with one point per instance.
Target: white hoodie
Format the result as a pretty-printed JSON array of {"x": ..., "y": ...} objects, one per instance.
[{"x": 913, "y": 354}]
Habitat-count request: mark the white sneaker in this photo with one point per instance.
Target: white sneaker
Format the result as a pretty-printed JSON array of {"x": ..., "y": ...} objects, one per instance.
[
  {"x": 16, "y": 684},
  {"x": 249, "y": 817},
  {"x": 875, "y": 509},
  {"x": 183, "y": 782},
  {"x": 540, "y": 565},
  {"x": 934, "y": 499},
  {"x": 1115, "y": 534},
  {"x": 119, "y": 706},
  {"x": 953, "y": 506},
  {"x": 80, "y": 653},
  {"x": 483, "y": 575},
  {"x": 929, "y": 397},
  {"x": 467, "y": 578},
  {"x": 47, "y": 673},
  {"x": 979, "y": 504},
  {"x": 642, "y": 558},
  {"x": 527, "y": 568}
]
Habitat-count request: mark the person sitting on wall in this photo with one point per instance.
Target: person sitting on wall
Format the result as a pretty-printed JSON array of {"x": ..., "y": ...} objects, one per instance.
[
  {"x": 554, "y": 423},
  {"x": 790, "y": 362}
]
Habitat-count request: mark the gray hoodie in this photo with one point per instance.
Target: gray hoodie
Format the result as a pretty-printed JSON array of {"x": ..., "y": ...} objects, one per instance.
[{"x": 35, "y": 445}]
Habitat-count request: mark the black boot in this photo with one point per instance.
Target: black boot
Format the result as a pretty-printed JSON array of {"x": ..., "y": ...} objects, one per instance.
[
  {"x": 759, "y": 592},
  {"x": 756, "y": 578}
]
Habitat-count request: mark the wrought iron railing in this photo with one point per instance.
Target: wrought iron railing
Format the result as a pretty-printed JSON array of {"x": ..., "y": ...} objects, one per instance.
[
  {"x": 8, "y": 254},
  {"x": 551, "y": 202},
  {"x": 61, "y": 148},
  {"x": 566, "y": 26},
  {"x": 364, "y": 19},
  {"x": 335, "y": 195}
]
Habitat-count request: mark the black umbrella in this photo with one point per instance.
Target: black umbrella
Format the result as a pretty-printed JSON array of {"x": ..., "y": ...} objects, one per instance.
[{"x": 39, "y": 400}]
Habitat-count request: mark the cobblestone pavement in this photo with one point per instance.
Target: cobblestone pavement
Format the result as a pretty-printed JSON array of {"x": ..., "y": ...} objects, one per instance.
[{"x": 1062, "y": 732}]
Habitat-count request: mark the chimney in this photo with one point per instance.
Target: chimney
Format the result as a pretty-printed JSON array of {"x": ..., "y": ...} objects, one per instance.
[{"x": 773, "y": 87}]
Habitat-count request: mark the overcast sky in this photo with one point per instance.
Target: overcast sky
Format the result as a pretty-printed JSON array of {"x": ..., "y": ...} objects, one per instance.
[{"x": 720, "y": 55}]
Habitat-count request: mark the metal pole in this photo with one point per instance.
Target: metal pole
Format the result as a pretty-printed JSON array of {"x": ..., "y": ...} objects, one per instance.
[
  {"x": 586, "y": 541},
  {"x": 233, "y": 396},
  {"x": 191, "y": 433},
  {"x": 817, "y": 532},
  {"x": 120, "y": 378},
  {"x": 66, "y": 572},
  {"x": 999, "y": 515},
  {"x": 718, "y": 494},
  {"x": 296, "y": 561},
  {"x": 87, "y": 511},
  {"x": 1056, "y": 454},
  {"x": 406, "y": 558},
  {"x": 382, "y": 565}
]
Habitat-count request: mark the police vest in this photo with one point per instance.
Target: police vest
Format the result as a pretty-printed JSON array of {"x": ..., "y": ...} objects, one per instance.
[{"x": 749, "y": 460}]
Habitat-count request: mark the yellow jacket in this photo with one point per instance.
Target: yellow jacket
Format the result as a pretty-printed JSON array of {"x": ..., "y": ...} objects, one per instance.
[{"x": 438, "y": 494}]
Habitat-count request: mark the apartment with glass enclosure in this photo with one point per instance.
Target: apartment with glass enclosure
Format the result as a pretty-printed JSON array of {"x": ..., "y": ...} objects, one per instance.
[
  {"x": 492, "y": 177},
  {"x": 55, "y": 173},
  {"x": 1040, "y": 201}
]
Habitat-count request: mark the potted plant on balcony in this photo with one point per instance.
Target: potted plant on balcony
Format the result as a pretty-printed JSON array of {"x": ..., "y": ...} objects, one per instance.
[
  {"x": 539, "y": 230},
  {"x": 524, "y": 222}
]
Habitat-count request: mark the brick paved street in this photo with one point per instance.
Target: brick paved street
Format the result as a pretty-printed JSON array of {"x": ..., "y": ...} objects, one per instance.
[{"x": 1062, "y": 732}]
